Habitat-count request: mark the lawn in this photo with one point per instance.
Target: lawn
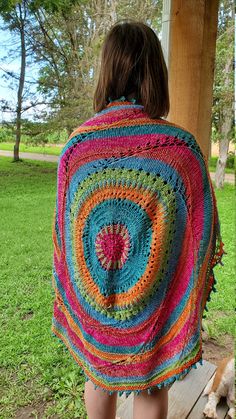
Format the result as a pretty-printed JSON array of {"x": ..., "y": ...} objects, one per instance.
[
  {"x": 36, "y": 370},
  {"x": 34, "y": 366}
]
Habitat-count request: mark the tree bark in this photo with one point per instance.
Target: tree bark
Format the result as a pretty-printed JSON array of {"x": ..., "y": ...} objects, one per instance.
[
  {"x": 223, "y": 153},
  {"x": 224, "y": 134},
  {"x": 21, "y": 83}
]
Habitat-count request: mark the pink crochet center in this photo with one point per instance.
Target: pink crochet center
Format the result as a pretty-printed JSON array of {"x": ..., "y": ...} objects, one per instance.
[{"x": 112, "y": 246}]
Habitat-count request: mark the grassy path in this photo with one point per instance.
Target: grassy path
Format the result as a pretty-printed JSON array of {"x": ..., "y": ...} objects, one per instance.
[
  {"x": 36, "y": 370},
  {"x": 47, "y": 149}
]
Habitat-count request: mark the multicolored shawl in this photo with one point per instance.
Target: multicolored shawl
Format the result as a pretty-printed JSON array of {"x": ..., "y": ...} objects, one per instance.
[{"x": 136, "y": 236}]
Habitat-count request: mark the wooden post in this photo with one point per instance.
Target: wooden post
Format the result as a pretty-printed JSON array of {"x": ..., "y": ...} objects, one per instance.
[{"x": 191, "y": 62}]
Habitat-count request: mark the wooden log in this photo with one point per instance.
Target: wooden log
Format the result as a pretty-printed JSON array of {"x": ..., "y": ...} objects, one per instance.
[{"x": 191, "y": 59}]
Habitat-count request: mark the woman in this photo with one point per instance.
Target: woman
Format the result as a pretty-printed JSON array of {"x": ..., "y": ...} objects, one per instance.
[{"x": 136, "y": 235}]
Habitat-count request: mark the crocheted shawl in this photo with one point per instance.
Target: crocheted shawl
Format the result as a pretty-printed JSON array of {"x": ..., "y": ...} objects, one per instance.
[{"x": 136, "y": 236}]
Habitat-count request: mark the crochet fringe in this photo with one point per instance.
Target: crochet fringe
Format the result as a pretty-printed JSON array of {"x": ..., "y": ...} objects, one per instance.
[{"x": 164, "y": 383}]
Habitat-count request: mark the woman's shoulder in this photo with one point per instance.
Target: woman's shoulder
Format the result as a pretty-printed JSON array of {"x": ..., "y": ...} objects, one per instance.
[
  {"x": 174, "y": 127},
  {"x": 178, "y": 131},
  {"x": 77, "y": 134},
  {"x": 105, "y": 122}
]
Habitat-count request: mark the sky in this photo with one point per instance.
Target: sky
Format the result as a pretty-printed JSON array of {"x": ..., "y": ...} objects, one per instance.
[
  {"x": 10, "y": 61},
  {"x": 6, "y": 64}
]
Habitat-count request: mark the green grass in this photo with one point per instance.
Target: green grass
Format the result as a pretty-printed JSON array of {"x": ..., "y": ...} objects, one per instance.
[
  {"x": 34, "y": 366},
  {"x": 227, "y": 169},
  {"x": 220, "y": 318}
]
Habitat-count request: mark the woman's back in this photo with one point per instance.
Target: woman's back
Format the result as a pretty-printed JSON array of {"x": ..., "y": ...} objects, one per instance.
[{"x": 136, "y": 236}]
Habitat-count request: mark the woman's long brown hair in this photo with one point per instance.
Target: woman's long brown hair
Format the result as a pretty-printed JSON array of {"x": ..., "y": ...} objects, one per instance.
[{"x": 132, "y": 62}]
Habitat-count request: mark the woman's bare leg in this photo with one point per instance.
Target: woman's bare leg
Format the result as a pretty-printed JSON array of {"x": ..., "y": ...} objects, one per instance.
[
  {"x": 151, "y": 406},
  {"x": 99, "y": 405}
]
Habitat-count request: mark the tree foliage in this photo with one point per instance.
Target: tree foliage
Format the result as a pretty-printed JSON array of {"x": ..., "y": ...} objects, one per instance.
[{"x": 67, "y": 42}]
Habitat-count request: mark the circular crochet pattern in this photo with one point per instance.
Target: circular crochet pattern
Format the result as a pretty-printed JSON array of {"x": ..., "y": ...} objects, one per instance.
[
  {"x": 136, "y": 237},
  {"x": 112, "y": 245},
  {"x": 117, "y": 234},
  {"x": 116, "y": 244}
]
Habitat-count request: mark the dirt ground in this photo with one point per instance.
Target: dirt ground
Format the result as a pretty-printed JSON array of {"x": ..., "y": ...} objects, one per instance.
[
  {"x": 215, "y": 350},
  {"x": 30, "y": 412}
]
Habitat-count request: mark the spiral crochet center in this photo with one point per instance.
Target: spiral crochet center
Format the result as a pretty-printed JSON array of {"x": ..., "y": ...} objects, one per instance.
[{"x": 112, "y": 246}]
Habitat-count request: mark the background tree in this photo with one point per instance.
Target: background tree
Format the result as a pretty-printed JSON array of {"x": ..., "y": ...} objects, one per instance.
[
  {"x": 14, "y": 15},
  {"x": 223, "y": 95}
]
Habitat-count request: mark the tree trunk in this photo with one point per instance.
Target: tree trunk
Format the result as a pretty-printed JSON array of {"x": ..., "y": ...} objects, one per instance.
[
  {"x": 21, "y": 84},
  {"x": 224, "y": 134},
  {"x": 221, "y": 162}
]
